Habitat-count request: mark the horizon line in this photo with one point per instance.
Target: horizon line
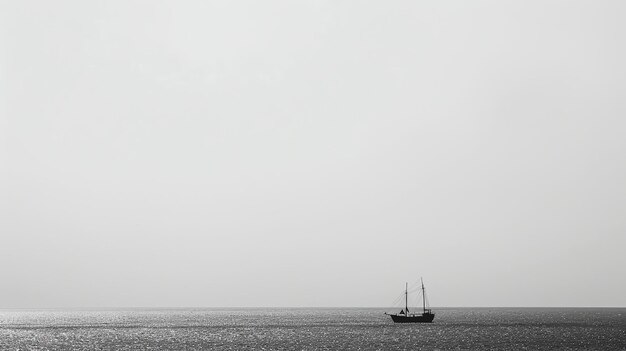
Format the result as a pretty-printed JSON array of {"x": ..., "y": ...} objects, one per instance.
[{"x": 280, "y": 307}]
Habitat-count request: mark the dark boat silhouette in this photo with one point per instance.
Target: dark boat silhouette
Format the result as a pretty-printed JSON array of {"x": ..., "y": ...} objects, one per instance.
[{"x": 405, "y": 316}]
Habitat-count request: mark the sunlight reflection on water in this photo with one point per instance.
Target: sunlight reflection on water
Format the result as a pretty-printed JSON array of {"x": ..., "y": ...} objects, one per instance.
[{"x": 312, "y": 329}]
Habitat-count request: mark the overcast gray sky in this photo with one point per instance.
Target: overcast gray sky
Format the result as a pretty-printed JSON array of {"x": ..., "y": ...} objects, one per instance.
[{"x": 312, "y": 153}]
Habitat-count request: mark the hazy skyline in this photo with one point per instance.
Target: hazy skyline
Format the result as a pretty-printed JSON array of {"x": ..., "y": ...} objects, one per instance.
[{"x": 312, "y": 153}]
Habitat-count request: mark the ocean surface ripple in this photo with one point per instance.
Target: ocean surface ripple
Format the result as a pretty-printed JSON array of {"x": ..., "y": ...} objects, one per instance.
[{"x": 313, "y": 329}]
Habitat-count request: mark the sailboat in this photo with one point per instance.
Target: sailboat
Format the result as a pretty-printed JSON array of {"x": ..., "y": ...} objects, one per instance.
[{"x": 405, "y": 316}]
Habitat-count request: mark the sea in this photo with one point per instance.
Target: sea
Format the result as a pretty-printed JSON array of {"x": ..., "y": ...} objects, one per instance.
[{"x": 312, "y": 329}]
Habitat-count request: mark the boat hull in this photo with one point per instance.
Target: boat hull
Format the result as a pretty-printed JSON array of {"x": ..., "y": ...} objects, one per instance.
[{"x": 423, "y": 318}]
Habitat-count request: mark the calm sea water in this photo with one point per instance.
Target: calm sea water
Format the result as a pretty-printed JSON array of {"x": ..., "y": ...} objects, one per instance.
[{"x": 312, "y": 329}]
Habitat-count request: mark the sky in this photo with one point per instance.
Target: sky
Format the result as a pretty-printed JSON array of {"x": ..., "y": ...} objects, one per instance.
[{"x": 312, "y": 153}]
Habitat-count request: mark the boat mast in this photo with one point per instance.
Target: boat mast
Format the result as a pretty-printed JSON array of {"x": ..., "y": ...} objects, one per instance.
[
  {"x": 406, "y": 298},
  {"x": 423, "y": 295}
]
